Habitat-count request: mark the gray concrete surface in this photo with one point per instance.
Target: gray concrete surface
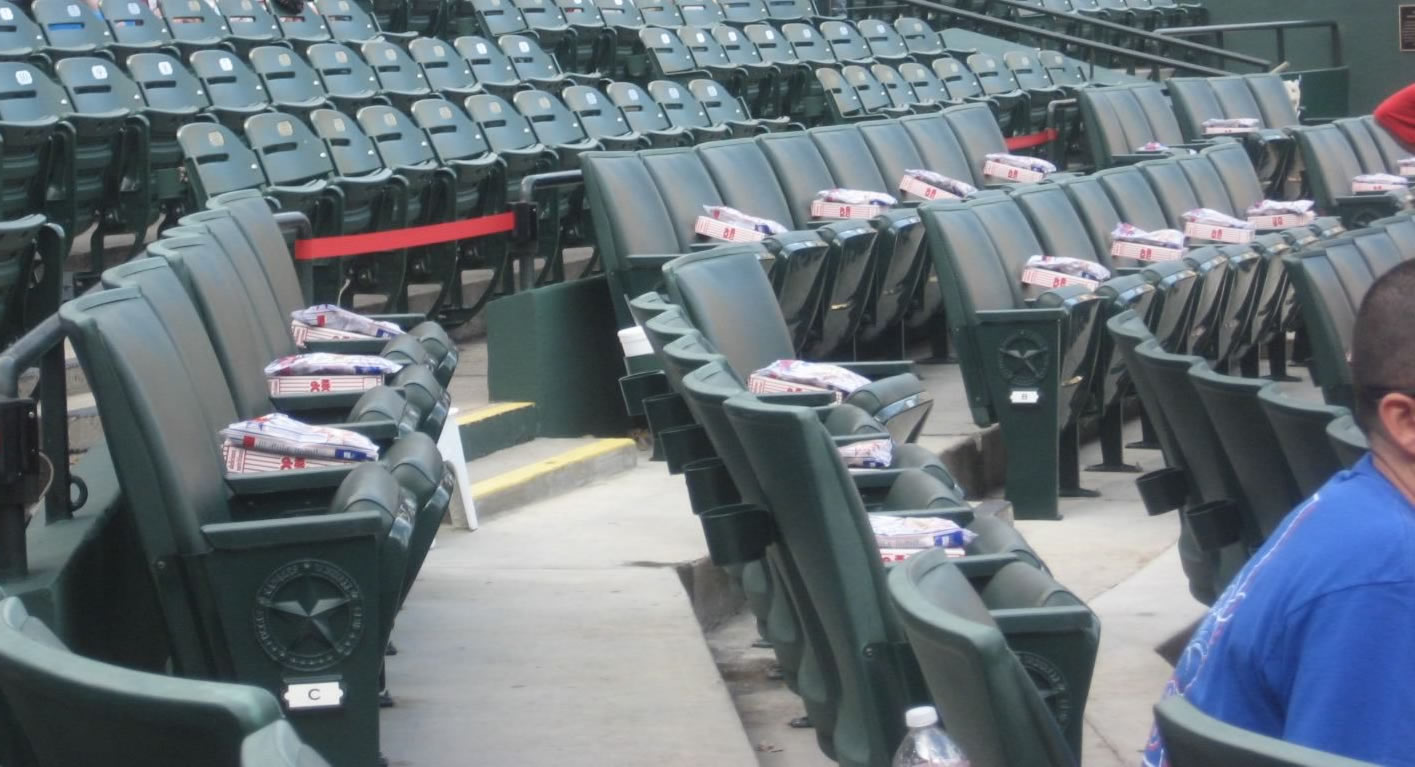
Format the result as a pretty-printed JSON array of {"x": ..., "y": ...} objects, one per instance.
[{"x": 561, "y": 635}]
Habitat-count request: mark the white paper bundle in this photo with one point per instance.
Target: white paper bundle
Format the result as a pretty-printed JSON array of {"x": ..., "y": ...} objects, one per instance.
[
  {"x": 339, "y": 318},
  {"x": 282, "y": 435},
  {"x": 328, "y": 364},
  {"x": 1379, "y": 182},
  {"x": 1218, "y": 126},
  {"x": 850, "y": 203},
  {"x": 1280, "y": 214},
  {"x": 1011, "y": 167},
  {"x": 1057, "y": 272},
  {"x": 732, "y": 225},
  {"x": 1213, "y": 225},
  {"x": 896, "y": 532},
  {"x": 818, "y": 374},
  {"x": 1159, "y": 245},
  {"x": 934, "y": 186},
  {"x": 868, "y": 453}
]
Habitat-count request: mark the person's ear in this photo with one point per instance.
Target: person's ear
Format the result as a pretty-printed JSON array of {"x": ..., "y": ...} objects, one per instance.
[{"x": 1397, "y": 416}]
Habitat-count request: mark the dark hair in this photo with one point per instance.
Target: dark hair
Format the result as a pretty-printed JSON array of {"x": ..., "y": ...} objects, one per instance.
[{"x": 1383, "y": 343}]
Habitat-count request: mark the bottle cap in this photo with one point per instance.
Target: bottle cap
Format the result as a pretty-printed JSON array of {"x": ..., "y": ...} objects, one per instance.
[{"x": 921, "y": 716}]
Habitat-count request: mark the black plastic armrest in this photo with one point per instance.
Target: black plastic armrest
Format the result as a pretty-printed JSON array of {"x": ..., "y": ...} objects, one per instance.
[
  {"x": 1020, "y": 316},
  {"x": 403, "y": 320},
  {"x": 379, "y": 431},
  {"x": 348, "y": 346},
  {"x": 306, "y": 528},
  {"x": 1043, "y": 620},
  {"x": 975, "y": 566},
  {"x": 878, "y": 369},
  {"x": 266, "y": 482},
  {"x": 799, "y": 399},
  {"x": 650, "y": 262},
  {"x": 874, "y": 479},
  {"x": 294, "y": 403}
]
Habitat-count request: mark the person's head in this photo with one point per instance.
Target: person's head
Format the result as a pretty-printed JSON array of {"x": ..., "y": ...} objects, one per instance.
[{"x": 1383, "y": 364}]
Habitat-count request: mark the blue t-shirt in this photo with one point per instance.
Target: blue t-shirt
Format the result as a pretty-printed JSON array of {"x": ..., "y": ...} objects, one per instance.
[{"x": 1314, "y": 640}]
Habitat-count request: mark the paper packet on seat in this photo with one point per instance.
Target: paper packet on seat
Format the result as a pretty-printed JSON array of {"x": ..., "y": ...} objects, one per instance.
[
  {"x": 1060, "y": 271},
  {"x": 1012, "y": 167},
  {"x": 732, "y": 225},
  {"x": 1216, "y": 126},
  {"x": 1129, "y": 241},
  {"x": 896, "y": 532},
  {"x": 934, "y": 186},
  {"x": 1379, "y": 182},
  {"x": 338, "y": 318},
  {"x": 1406, "y": 166},
  {"x": 868, "y": 454},
  {"x": 1151, "y": 146},
  {"x": 1209, "y": 224},
  {"x": 1280, "y": 214},
  {"x": 819, "y": 375},
  {"x": 850, "y": 203},
  {"x": 325, "y": 363},
  {"x": 891, "y": 556},
  {"x": 280, "y": 434}
]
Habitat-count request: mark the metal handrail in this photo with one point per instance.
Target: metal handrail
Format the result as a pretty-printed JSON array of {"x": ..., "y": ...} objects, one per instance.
[
  {"x": 1091, "y": 46},
  {"x": 1278, "y": 27},
  {"x": 1209, "y": 50}
]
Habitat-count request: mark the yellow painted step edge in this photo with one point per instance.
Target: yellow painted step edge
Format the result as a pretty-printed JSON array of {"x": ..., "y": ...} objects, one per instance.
[
  {"x": 491, "y": 411},
  {"x": 503, "y": 482}
]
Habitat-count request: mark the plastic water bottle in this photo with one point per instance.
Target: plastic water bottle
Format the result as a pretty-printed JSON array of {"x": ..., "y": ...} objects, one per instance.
[{"x": 927, "y": 745}]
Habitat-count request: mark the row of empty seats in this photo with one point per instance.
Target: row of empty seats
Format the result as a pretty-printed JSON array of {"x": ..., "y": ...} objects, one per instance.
[
  {"x": 790, "y": 521},
  {"x": 280, "y": 581}
]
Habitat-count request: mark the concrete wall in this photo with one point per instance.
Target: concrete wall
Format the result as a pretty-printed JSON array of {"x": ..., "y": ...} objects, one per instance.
[{"x": 1369, "y": 36}]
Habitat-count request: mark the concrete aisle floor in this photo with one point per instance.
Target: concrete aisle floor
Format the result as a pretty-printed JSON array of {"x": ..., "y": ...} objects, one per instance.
[{"x": 561, "y": 634}]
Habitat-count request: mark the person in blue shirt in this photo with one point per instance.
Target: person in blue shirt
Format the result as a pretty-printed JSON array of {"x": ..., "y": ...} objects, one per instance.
[{"x": 1313, "y": 641}]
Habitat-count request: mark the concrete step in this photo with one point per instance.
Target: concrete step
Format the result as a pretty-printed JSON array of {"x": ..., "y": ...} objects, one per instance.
[
  {"x": 497, "y": 426},
  {"x": 531, "y": 471}
]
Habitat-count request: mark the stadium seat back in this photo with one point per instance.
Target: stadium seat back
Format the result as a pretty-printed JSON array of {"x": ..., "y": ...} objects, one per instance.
[
  {"x": 640, "y": 109},
  {"x": 885, "y": 42},
  {"x": 344, "y": 72},
  {"x": 748, "y": 330},
  {"x": 1301, "y": 428},
  {"x": 661, "y": 13},
  {"x": 551, "y": 121},
  {"x": 290, "y": 153},
  {"x": 502, "y": 125},
  {"x": 1235, "y": 98},
  {"x": 1164, "y": 124},
  {"x": 218, "y": 161},
  {"x": 809, "y": 44},
  {"x": 1194, "y": 102},
  {"x": 351, "y": 150},
  {"x": 499, "y": 17},
  {"x": 250, "y": 21},
  {"x": 701, "y": 13},
  {"x": 20, "y": 37},
  {"x": 306, "y": 27},
  {"x": 71, "y": 26},
  {"x": 940, "y": 149},
  {"x": 289, "y": 80},
  {"x": 739, "y": 49},
  {"x": 846, "y": 42},
  {"x": 927, "y": 87},
  {"x": 1193, "y": 738},
  {"x": 1274, "y": 104},
  {"x": 679, "y": 105},
  {"x": 193, "y": 22},
  {"x": 229, "y": 82},
  {"x": 958, "y": 79},
  {"x": 977, "y": 133},
  {"x": 771, "y": 44},
  {"x": 349, "y": 22},
  {"x": 446, "y": 71},
  {"x": 135, "y": 27},
  {"x": 488, "y": 62},
  {"x": 1368, "y": 152},
  {"x": 901, "y": 94},
  {"x": 1347, "y": 440},
  {"x": 919, "y": 37},
  {"x": 453, "y": 135}
]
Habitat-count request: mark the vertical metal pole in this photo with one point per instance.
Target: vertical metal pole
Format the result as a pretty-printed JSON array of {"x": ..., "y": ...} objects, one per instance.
[{"x": 523, "y": 242}]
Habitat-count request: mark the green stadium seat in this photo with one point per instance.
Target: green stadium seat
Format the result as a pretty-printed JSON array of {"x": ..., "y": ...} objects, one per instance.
[
  {"x": 1045, "y": 348},
  {"x": 406, "y": 150},
  {"x": 185, "y": 272},
  {"x": 1197, "y": 99},
  {"x": 1016, "y": 113},
  {"x": 492, "y": 68},
  {"x": 195, "y": 26},
  {"x": 886, "y": 44},
  {"x": 594, "y": 48},
  {"x": 348, "y": 79},
  {"x": 27, "y": 246},
  {"x": 901, "y": 92},
  {"x": 1174, "y": 486},
  {"x": 701, "y": 13},
  {"x": 666, "y": 55},
  {"x": 833, "y": 571},
  {"x": 290, "y": 84},
  {"x": 871, "y": 93},
  {"x": 1348, "y": 440},
  {"x": 236, "y": 93},
  {"x": 923, "y": 43},
  {"x": 555, "y": 126},
  {"x": 132, "y": 716},
  {"x": 1195, "y": 739},
  {"x": 623, "y": 19},
  {"x": 722, "y": 108},
  {"x": 809, "y": 44},
  {"x": 978, "y": 134},
  {"x": 510, "y": 136},
  {"x": 797, "y": 95},
  {"x": 846, "y": 43},
  {"x": 1274, "y": 103},
  {"x": 498, "y": 17},
  {"x": 646, "y": 117},
  {"x": 252, "y": 214},
  {"x": 249, "y": 24},
  {"x": 684, "y": 111},
  {"x": 842, "y": 101},
  {"x": 1011, "y": 683},
  {"x": 752, "y": 80},
  {"x": 1401, "y": 229},
  {"x": 547, "y": 22},
  {"x": 304, "y": 28},
  {"x": 400, "y": 79},
  {"x": 602, "y": 120},
  {"x": 170, "y": 469},
  {"x": 663, "y": 14},
  {"x": 1301, "y": 428},
  {"x": 447, "y": 72},
  {"x": 754, "y": 339},
  {"x": 1329, "y": 284},
  {"x": 20, "y": 38},
  {"x": 1249, "y": 444},
  {"x": 71, "y": 28},
  {"x": 740, "y": 13},
  {"x": 350, "y": 22},
  {"x": 135, "y": 28}
]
